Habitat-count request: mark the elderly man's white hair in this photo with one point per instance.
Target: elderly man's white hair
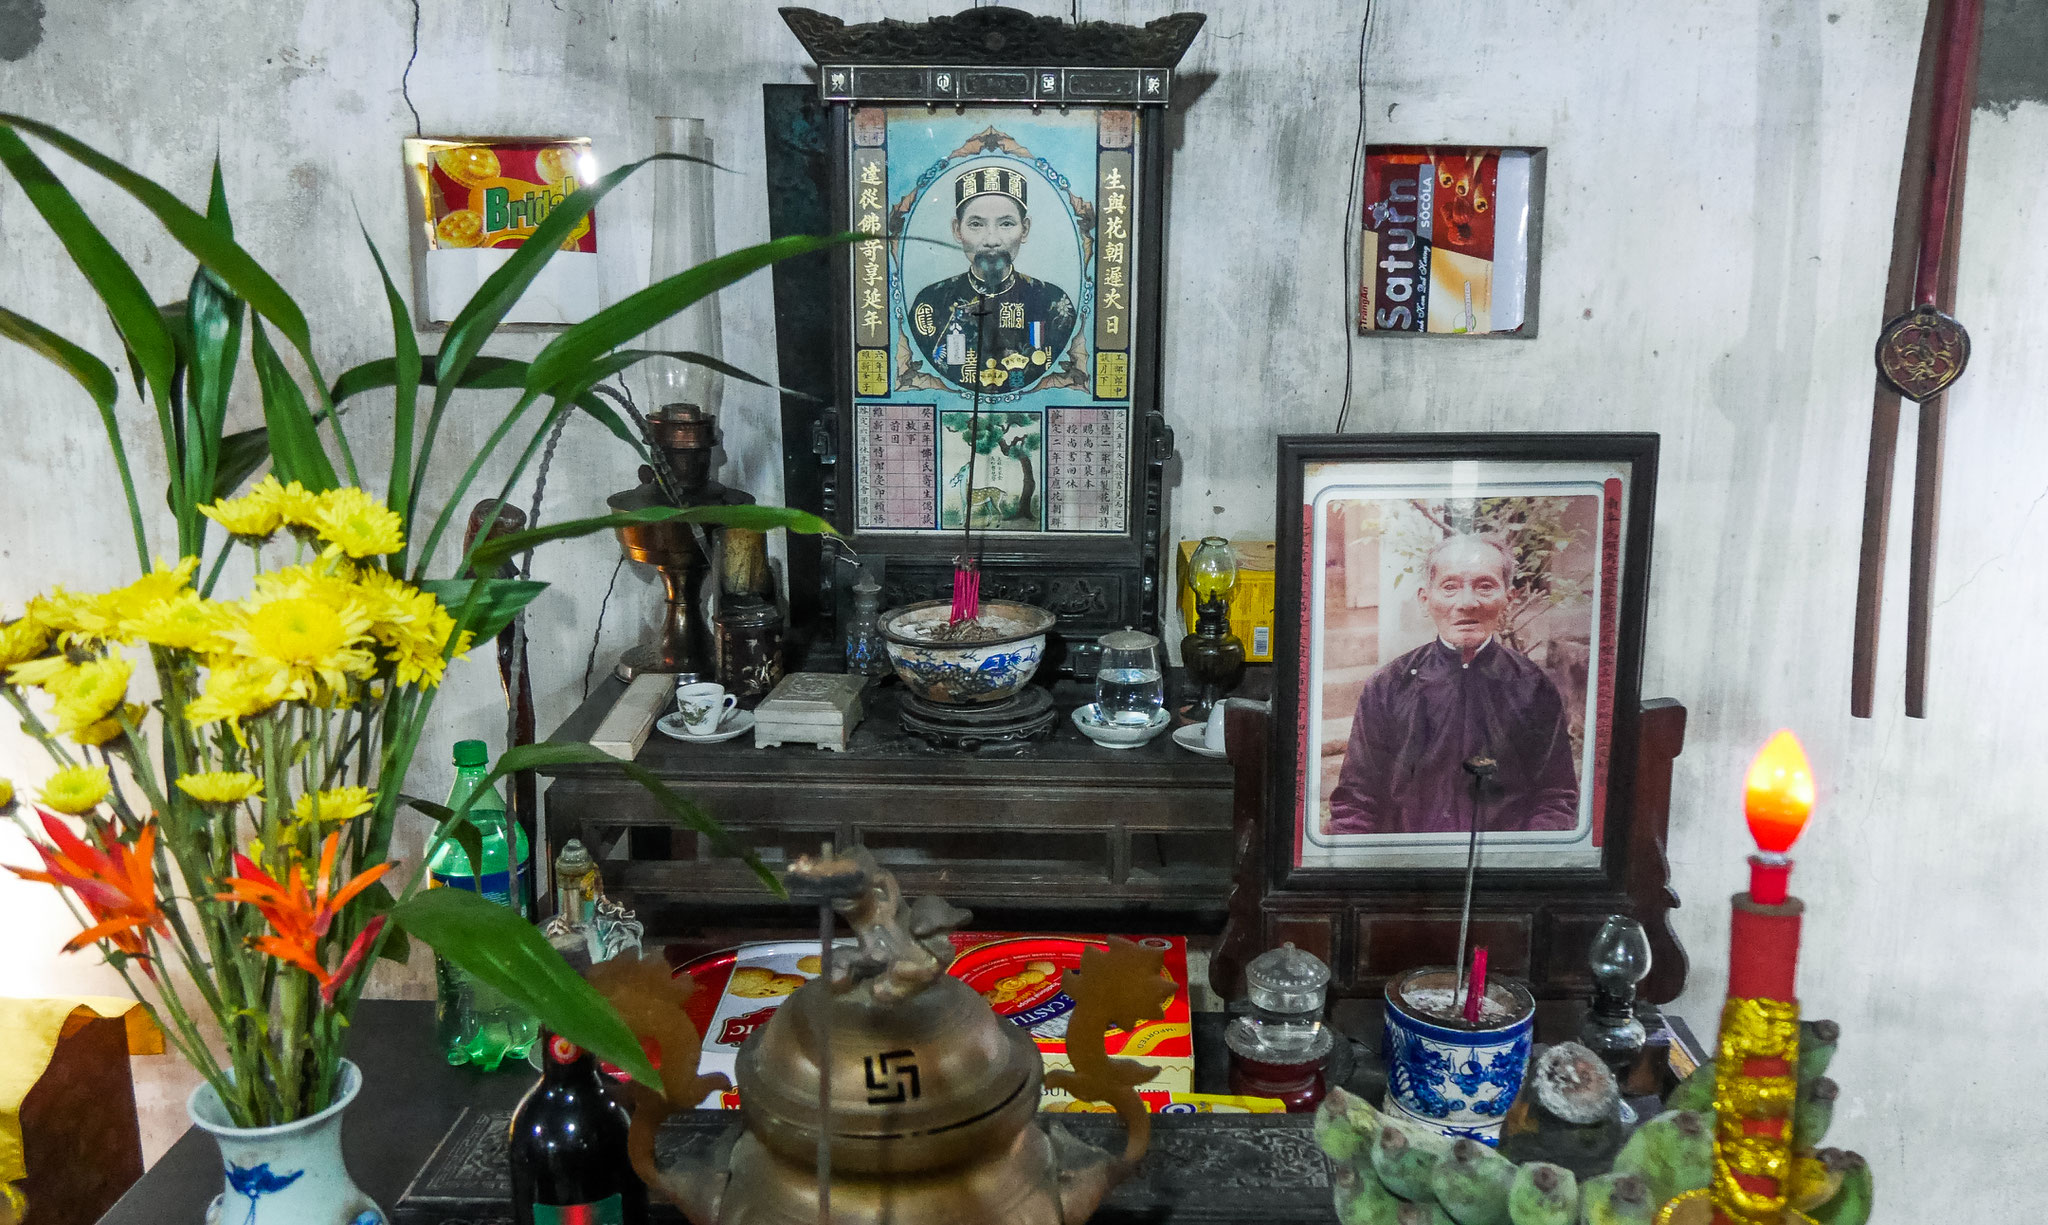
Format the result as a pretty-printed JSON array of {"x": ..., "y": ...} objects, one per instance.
[{"x": 1507, "y": 555}]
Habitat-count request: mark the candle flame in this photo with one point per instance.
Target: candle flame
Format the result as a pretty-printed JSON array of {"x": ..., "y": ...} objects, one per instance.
[{"x": 1779, "y": 793}]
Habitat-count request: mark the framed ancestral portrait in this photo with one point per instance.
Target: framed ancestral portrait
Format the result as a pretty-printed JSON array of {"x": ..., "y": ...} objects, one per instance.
[
  {"x": 994, "y": 347},
  {"x": 1458, "y": 643}
]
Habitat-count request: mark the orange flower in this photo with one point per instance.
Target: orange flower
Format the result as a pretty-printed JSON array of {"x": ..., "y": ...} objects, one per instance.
[
  {"x": 301, "y": 919},
  {"x": 118, "y": 885}
]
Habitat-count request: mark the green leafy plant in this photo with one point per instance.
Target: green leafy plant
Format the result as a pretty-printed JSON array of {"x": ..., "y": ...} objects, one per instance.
[{"x": 239, "y": 826}]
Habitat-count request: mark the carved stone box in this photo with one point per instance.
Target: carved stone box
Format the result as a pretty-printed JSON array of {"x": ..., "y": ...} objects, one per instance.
[{"x": 993, "y": 385}]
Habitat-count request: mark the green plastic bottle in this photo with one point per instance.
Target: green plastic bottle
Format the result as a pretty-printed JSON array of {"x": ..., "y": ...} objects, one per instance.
[{"x": 474, "y": 1023}]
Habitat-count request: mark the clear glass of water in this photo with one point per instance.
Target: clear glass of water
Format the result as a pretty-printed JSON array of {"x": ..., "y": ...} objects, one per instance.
[{"x": 1130, "y": 685}]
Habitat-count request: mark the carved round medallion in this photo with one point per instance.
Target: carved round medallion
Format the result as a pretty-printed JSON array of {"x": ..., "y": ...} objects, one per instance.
[{"x": 1921, "y": 352}]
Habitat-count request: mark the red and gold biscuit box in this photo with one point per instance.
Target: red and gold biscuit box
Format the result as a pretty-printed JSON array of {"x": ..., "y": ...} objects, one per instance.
[{"x": 1019, "y": 975}]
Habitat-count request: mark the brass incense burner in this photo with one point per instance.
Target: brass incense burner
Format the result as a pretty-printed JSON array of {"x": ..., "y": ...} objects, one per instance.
[{"x": 888, "y": 1091}]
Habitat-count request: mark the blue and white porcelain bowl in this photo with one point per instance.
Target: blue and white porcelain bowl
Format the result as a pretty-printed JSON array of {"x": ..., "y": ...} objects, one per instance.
[
  {"x": 974, "y": 672},
  {"x": 1444, "y": 1070}
]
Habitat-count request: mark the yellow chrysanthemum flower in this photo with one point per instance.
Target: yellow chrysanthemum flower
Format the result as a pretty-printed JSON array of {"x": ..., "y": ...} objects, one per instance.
[
  {"x": 340, "y": 804},
  {"x": 6, "y": 795},
  {"x": 353, "y": 522},
  {"x": 252, "y": 518},
  {"x": 87, "y": 693},
  {"x": 222, "y": 786},
  {"x": 40, "y": 672},
  {"x": 125, "y": 607},
  {"x": 22, "y": 640},
  {"x": 106, "y": 729},
  {"x": 77, "y": 790},
  {"x": 72, "y": 618},
  {"x": 234, "y": 691},
  {"x": 296, "y": 505},
  {"x": 411, "y": 624},
  {"x": 304, "y": 644},
  {"x": 183, "y": 623}
]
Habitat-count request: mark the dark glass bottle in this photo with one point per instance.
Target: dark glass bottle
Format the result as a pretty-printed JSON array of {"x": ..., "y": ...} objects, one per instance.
[{"x": 569, "y": 1162}]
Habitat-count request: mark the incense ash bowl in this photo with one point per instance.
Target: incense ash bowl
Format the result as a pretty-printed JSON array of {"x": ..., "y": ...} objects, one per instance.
[
  {"x": 1459, "y": 1078},
  {"x": 988, "y": 664}
]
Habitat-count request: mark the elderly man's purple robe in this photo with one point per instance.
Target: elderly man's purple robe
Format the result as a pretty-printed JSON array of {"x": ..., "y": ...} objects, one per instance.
[{"x": 1424, "y": 714}]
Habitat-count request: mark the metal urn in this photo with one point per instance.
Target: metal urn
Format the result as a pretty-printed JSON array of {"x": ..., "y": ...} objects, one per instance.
[{"x": 885, "y": 1090}]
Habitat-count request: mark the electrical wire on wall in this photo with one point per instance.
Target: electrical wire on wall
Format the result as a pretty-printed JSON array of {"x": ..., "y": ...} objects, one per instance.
[
  {"x": 405, "y": 78},
  {"x": 1352, "y": 222}
]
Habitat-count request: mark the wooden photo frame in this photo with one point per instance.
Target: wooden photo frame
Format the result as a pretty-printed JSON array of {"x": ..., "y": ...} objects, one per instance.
[{"x": 1535, "y": 656}]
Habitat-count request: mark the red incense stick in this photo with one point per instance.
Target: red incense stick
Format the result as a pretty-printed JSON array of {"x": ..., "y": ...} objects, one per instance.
[{"x": 1475, "y": 986}]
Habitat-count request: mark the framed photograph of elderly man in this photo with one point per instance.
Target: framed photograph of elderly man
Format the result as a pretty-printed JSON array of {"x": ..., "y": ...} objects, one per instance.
[{"x": 1466, "y": 619}]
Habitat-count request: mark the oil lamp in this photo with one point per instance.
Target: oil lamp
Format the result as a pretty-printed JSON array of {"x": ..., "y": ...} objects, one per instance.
[{"x": 1212, "y": 655}]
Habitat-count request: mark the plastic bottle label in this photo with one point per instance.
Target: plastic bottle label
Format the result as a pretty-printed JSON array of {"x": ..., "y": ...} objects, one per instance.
[
  {"x": 611, "y": 1210},
  {"x": 497, "y": 886}
]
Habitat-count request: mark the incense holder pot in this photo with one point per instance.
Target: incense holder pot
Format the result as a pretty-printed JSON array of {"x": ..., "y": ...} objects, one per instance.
[
  {"x": 1006, "y": 645},
  {"x": 1456, "y": 1077}
]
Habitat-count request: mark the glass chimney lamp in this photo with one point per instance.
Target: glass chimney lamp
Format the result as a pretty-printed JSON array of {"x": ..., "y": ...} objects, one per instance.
[
  {"x": 1280, "y": 1047},
  {"x": 1619, "y": 959},
  {"x": 1212, "y": 655}
]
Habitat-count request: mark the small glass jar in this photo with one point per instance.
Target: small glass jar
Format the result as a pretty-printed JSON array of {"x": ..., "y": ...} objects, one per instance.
[
  {"x": 1280, "y": 1046},
  {"x": 1130, "y": 687},
  {"x": 867, "y": 654},
  {"x": 749, "y": 647}
]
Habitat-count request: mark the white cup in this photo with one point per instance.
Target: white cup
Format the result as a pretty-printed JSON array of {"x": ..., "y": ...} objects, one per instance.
[
  {"x": 703, "y": 707},
  {"x": 1212, "y": 731}
]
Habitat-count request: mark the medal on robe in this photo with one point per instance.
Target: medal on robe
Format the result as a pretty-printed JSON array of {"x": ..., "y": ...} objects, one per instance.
[{"x": 955, "y": 346}]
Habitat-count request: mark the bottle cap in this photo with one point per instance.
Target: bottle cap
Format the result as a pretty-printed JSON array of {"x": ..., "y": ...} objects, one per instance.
[{"x": 471, "y": 753}]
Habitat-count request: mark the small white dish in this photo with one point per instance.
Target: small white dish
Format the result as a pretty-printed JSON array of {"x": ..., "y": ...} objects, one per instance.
[
  {"x": 1114, "y": 736},
  {"x": 735, "y": 723},
  {"x": 1190, "y": 738}
]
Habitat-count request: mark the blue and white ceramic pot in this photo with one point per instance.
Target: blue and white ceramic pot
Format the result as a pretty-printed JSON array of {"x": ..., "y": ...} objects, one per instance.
[
  {"x": 997, "y": 661},
  {"x": 1440, "y": 1069},
  {"x": 290, "y": 1174}
]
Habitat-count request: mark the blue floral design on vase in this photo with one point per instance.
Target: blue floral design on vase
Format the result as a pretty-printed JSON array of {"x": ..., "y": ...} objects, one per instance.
[
  {"x": 1462, "y": 1079},
  {"x": 290, "y": 1174}
]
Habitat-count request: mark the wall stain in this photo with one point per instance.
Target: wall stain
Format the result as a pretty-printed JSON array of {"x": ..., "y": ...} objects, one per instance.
[
  {"x": 2014, "y": 64},
  {"x": 21, "y": 28}
]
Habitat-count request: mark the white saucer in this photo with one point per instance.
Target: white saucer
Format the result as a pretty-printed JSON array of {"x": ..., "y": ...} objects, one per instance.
[
  {"x": 1190, "y": 738},
  {"x": 1109, "y": 736},
  {"x": 736, "y": 723}
]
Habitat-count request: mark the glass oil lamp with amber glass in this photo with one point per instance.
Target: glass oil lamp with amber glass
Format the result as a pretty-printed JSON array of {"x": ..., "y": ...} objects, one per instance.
[{"x": 1212, "y": 655}]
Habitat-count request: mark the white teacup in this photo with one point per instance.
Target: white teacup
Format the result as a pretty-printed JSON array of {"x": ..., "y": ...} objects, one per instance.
[
  {"x": 1212, "y": 731},
  {"x": 703, "y": 707}
]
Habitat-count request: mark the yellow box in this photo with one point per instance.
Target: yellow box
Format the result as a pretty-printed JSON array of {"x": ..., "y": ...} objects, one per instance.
[{"x": 1251, "y": 604}]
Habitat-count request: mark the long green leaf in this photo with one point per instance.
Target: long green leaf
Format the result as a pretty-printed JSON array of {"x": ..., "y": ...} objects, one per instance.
[
  {"x": 405, "y": 376},
  {"x": 504, "y": 951},
  {"x": 567, "y": 753},
  {"x": 99, "y": 383},
  {"x": 486, "y": 308},
  {"x": 295, "y": 449},
  {"x": 135, "y": 314},
  {"x": 496, "y": 551},
  {"x": 215, "y": 322},
  {"x": 483, "y": 373},
  {"x": 198, "y": 235},
  {"x": 566, "y": 358},
  {"x": 496, "y": 605},
  {"x": 241, "y": 454}
]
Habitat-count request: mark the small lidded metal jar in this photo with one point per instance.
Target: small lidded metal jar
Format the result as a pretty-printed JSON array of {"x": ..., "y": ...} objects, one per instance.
[
  {"x": 1280, "y": 1047},
  {"x": 749, "y": 647}
]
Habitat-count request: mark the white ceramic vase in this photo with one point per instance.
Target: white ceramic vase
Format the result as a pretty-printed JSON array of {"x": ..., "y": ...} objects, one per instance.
[{"x": 290, "y": 1174}]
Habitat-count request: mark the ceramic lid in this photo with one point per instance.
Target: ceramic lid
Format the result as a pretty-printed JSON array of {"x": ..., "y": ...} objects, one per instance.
[{"x": 1287, "y": 980}]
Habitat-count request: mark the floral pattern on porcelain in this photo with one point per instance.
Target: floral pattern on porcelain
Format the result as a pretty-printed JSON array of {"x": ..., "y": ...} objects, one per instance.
[
  {"x": 1456, "y": 1076},
  {"x": 966, "y": 673},
  {"x": 290, "y": 1174}
]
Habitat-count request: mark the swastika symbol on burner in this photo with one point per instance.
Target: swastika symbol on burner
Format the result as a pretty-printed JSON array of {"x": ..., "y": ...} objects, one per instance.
[{"x": 887, "y": 1083}]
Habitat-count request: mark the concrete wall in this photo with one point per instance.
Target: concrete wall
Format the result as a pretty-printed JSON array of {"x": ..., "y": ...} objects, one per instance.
[{"x": 1720, "y": 193}]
